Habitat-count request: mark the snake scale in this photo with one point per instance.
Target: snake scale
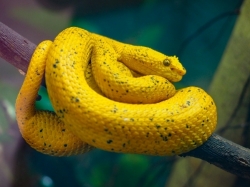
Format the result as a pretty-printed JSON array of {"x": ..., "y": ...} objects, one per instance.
[{"x": 112, "y": 96}]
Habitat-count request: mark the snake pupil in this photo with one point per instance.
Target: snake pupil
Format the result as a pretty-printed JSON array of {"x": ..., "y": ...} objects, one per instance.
[{"x": 166, "y": 62}]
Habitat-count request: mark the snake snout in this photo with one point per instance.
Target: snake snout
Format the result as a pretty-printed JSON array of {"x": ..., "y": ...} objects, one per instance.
[
  {"x": 178, "y": 71},
  {"x": 176, "y": 74}
]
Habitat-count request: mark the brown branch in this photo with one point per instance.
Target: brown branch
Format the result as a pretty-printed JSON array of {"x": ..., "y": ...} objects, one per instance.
[
  {"x": 14, "y": 48},
  {"x": 218, "y": 151}
]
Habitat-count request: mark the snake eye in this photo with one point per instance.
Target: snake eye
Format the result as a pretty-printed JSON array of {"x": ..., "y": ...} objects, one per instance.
[{"x": 166, "y": 62}]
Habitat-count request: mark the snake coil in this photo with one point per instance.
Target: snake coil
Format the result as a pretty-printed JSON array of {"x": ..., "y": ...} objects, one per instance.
[{"x": 113, "y": 96}]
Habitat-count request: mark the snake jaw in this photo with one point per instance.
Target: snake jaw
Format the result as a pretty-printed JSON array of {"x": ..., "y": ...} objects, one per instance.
[
  {"x": 177, "y": 74},
  {"x": 180, "y": 71}
]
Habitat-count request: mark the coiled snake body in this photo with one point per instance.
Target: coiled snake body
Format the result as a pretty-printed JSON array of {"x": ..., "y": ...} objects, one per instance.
[{"x": 144, "y": 118}]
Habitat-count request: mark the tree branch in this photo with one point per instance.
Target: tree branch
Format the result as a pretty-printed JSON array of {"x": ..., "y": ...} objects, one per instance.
[
  {"x": 218, "y": 151},
  {"x": 224, "y": 154},
  {"x": 14, "y": 48}
]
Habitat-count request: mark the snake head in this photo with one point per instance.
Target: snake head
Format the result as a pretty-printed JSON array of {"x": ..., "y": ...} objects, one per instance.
[
  {"x": 172, "y": 69},
  {"x": 168, "y": 67},
  {"x": 147, "y": 61}
]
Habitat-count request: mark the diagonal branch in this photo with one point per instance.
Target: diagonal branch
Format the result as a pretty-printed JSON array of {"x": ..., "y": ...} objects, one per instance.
[
  {"x": 218, "y": 151},
  {"x": 224, "y": 154},
  {"x": 14, "y": 48}
]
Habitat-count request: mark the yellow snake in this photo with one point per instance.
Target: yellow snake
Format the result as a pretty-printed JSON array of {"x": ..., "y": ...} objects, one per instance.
[{"x": 75, "y": 64}]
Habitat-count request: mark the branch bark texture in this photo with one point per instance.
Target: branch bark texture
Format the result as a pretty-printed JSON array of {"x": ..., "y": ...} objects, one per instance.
[
  {"x": 223, "y": 153},
  {"x": 14, "y": 48}
]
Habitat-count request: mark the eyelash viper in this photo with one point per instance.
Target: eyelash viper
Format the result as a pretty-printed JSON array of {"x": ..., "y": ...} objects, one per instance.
[{"x": 169, "y": 127}]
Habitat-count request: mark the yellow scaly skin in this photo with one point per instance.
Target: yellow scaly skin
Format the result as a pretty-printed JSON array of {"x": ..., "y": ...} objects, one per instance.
[
  {"x": 173, "y": 126},
  {"x": 146, "y": 89},
  {"x": 118, "y": 83},
  {"x": 43, "y": 130}
]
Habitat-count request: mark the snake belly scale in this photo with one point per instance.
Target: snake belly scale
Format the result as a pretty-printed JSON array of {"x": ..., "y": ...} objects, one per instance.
[{"x": 84, "y": 117}]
